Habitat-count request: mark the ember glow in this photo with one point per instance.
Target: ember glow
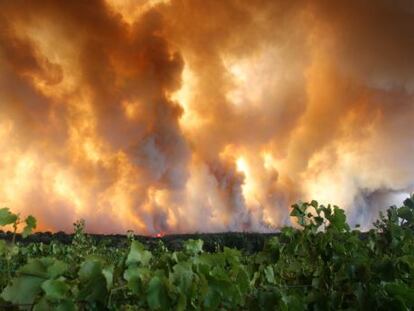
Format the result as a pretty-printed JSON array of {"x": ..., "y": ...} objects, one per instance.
[
  {"x": 186, "y": 115},
  {"x": 159, "y": 235}
]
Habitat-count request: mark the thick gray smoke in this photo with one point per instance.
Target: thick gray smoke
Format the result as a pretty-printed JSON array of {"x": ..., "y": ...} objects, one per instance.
[{"x": 190, "y": 115}]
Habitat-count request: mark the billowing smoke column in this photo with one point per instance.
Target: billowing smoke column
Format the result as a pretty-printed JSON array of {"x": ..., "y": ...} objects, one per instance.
[{"x": 190, "y": 115}]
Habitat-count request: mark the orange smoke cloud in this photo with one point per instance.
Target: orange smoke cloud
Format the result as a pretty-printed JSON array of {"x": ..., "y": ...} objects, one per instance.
[{"x": 179, "y": 116}]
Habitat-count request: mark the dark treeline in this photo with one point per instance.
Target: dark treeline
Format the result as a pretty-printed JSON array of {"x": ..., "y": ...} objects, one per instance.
[{"x": 249, "y": 242}]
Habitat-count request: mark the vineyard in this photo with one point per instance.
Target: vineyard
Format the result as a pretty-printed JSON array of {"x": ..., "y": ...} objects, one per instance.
[{"x": 321, "y": 265}]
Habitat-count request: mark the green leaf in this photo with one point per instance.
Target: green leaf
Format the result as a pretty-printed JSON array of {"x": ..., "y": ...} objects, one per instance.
[
  {"x": 66, "y": 305},
  {"x": 22, "y": 290},
  {"x": 288, "y": 232},
  {"x": 243, "y": 280},
  {"x": 108, "y": 273},
  {"x": 27, "y": 284},
  {"x": 55, "y": 289},
  {"x": 45, "y": 268},
  {"x": 43, "y": 305},
  {"x": 135, "y": 276},
  {"x": 298, "y": 210},
  {"x": 294, "y": 303},
  {"x": 337, "y": 219},
  {"x": 132, "y": 276},
  {"x": 406, "y": 213},
  {"x": 318, "y": 220},
  {"x": 409, "y": 202},
  {"x": 93, "y": 286},
  {"x": 157, "y": 296},
  {"x": 90, "y": 269},
  {"x": 182, "y": 277},
  {"x": 7, "y": 217},
  {"x": 270, "y": 275},
  {"x": 30, "y": 225},
  {"x": 194, "y": 246},
  {"x": 138, "y": 254},
  {"x": 57, "y": 268},
  {"x": 31, "y": 221},
  {"x": 182, "y": 303},
  {"x": 3, "y": 247},
  {"x": 36, "y": 267},
  {"x": 402, "y": 292},
  {"x": 268, "y": 300},
  {"x": 212, "y": 299}
]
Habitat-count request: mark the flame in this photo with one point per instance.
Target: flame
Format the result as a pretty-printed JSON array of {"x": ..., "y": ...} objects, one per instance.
[
  {"x": 185, "y": 96},
  {"x": 131, "y": 10},
  {"x": 248, "y": 187},
  {"x": 159, "y": 235}
]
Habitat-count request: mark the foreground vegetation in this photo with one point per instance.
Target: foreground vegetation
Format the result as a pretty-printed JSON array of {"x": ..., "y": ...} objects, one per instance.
[{"x": 324, "y": 265}]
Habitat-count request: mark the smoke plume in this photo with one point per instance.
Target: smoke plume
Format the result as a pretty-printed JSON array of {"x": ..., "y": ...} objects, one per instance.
[{"x": 190, "y": 115}]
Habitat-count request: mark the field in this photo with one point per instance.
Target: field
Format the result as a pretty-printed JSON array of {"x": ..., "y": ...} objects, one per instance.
[{"x": 323, "y": 265}]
